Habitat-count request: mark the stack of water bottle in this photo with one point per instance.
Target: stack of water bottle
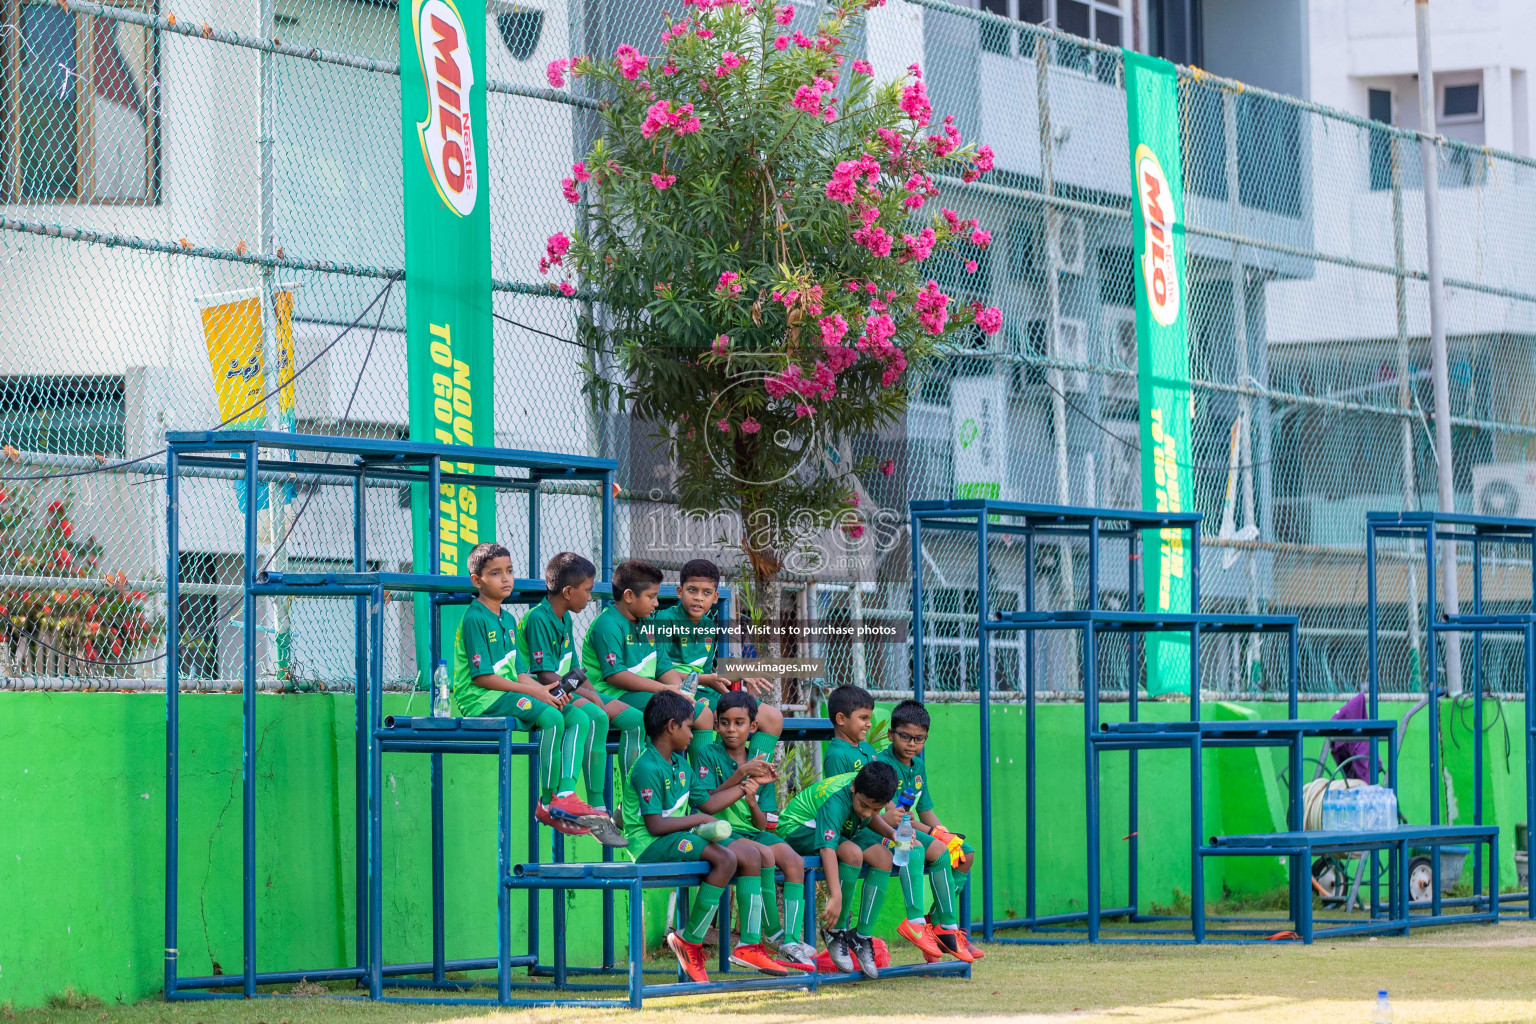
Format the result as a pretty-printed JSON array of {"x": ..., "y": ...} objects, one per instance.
[{"x": 1359, "y": 809}]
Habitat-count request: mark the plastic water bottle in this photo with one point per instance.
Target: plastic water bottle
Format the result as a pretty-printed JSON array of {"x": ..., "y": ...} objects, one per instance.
[
  {"x": 1389, "y": 808},
  {"x": 1330, "y": 810},
  {"x": 442, "y": 699},
  {"x": 1383, "y": 1011},
  {"x": 906, "y": 835}
]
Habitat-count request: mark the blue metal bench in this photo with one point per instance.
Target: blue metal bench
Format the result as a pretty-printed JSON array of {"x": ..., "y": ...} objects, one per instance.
[{"x": 1396, "y": 841}]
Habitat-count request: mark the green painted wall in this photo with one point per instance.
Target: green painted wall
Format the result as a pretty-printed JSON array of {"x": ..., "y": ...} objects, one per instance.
[{"x": 82, "y": 801}]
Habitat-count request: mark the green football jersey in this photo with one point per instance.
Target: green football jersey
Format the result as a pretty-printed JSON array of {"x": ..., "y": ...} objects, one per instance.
[
  {"x": 826, "y": 807},
  {"x": 546, "y": 642},
  {"x": 913, "y": 777},
  {"x": 839, "y": 756},
  {"x": 689, "y": 645},
  {"x": 713, "y": 765},
  {"x": 486, "y": 644},
  {"x": 657, "y": 785},
  {"x": 615, "y": 644}
]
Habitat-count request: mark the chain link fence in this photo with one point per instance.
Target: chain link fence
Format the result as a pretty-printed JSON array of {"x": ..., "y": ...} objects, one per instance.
[{"x": 164, "y": 169}]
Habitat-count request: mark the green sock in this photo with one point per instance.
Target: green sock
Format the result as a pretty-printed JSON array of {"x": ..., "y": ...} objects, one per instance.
[
  {"x": 578, "y": 732},
  {"x": 911, "y": 874},
  {"x": 551, "y": 737},
  {"x": 847, "y": 877},
  {"x": 771, "y": 926},
  {"x": 596, "y": 754},
  {"x": 762, "y": 744},
  {"x": 749, "y": 909},
  {"x": 706, "y": 900},
  {"x": 943, "y": 878},
  {"x": 631, "y": 725},
  {"x": 702, "y": 738},
  {"x": 794, "y": 911},
  {"x": 869, "y": 905}
]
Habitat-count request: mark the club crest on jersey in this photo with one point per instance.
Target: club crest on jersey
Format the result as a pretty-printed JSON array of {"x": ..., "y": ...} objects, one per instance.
[
  {"x": 611, "y": 658},
  {"x": 829, "y": 835},
  {"x": 704, "y": 772},
  {"x": 538, "y": 655},
  {"x": 523, "y": 703},
  {"x": 684, "y": 846},
  {"x": 646, "y": 794},
  {"x": 474, "y": 659}
]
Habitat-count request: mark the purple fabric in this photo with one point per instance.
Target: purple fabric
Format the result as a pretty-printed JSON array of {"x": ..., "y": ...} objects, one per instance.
[{"x": 1343, "y": 750}]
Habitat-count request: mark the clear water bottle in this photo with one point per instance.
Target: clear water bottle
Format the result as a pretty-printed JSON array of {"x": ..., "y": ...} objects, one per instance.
[
  {"x": 442, "y": 695},
  {"x": 1330, "y": 810},
  {"x": 1389, "y": 808},
  {"x": 906, "y": 835},
  {"x": 1383, "y": 1012}
]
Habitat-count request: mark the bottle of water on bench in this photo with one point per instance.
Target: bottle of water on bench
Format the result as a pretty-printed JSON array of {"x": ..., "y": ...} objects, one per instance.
[
  {"x": 906, "y": 835},
  {"x": 442, "y": 700}
]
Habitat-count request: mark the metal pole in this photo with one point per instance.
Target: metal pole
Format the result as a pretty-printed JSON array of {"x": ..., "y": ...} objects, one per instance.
[
  {"x": 172, "y": 714},
  {"x": 856, "y": 619},
  {"x": 917, "y": 608},
  {"x": 1053, "y": 306},
  {"x": 248, "y": 728},
  {"x": 1239, "y": 273},
  {"x": 1404, "y": 393},
  {"x": 1445, "y": 475},
  {"x": 274, "y": 369},
  {"x": 984, "y": 714}
]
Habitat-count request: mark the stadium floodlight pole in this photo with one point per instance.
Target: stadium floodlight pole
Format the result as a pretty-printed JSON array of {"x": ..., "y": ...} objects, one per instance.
[{"x": 1445, "y": 475}]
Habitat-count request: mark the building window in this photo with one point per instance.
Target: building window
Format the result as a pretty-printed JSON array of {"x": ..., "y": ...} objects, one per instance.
[
  {"x": 1379, "y": 107},
  {"x": 1102, "y": 20},
  {"x": 1460, "y": 104},
  {"x": 520, "y": 28},
  {"x": 62, "y": 415},
  {"x": 78, "y": 107}
]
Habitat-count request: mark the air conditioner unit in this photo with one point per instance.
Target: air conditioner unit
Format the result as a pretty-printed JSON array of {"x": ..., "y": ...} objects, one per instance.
[
  {"x": 1070, "y": 236},
  {"x": 1505, "y": 489},
  {"x": 1119, "y": 326},
  {"x": 1072, "y": 347}
]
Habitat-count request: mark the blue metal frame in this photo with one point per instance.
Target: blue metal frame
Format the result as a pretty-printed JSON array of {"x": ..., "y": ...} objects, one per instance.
[
  {"x": 1429, "y": 529},
  {"x": 1094, "y": 526},
  {"x": 237, "y": 454}
]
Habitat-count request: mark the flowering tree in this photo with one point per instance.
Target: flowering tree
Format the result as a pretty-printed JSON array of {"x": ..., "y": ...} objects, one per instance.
[
  {"x": 759, "y": 221},
  {"x": 94, "y": 626}
]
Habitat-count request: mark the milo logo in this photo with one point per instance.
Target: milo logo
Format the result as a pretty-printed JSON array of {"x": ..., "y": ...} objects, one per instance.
[
  {"x": 1159, "y": 276},
  {"x": 447, "y": 136}
]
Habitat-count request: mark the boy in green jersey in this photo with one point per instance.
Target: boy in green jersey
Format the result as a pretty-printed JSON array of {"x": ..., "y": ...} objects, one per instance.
[
  {"x": 490, "y": 680},
  {"x": 852, "y": 711},
  {"x": 622, "y": 661},
  {"x": 909, "y": 734},
  {"x": 740, "y": 789},
  {"x": 659, "y": 788},
  {"x": 828, "y": 820},
  {"x": 688, "y": 633},
  {"x": 546, "y": 645}
]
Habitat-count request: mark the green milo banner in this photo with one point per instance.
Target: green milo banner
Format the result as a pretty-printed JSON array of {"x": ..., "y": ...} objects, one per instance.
[
  {"x": 1162, "y": 359},
  {"x": 447, "y": 271}
]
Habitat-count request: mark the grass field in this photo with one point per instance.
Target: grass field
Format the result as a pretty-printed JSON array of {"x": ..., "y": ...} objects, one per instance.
[{"x": 1472, "y": 975}]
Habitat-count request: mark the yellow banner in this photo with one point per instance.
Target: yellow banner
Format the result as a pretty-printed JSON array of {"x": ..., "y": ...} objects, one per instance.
[{"x": 232, "y": 330}]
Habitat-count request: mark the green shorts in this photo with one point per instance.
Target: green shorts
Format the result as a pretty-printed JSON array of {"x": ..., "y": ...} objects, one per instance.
[
  {"x": 760, "y": 836},
  {"x": 803, "y": 840},
  {"x": 638, "y": 699},
  {"x": 677, "y": 847},
  {"x": 519, "y": 706}
]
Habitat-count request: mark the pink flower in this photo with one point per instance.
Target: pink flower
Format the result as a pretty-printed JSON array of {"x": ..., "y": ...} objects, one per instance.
[
  {"x": 567, "y": 289},
  {"x": 990, "y": 319},
  {"x": 984, "y": 159},
  {"x": 631, "y": 61},
  {"x": 721, "y": 344},
  {"x": 784, "y": 15},
  {"x": 981, "y": 239},
  {"x": 874, "y": 239},
  {"x": 705, "y": 33},
  {"x": 833, "y": 329},
  {"x": 952, "y": 219},
  {"x": 914, "y": 103},
  {"x": 970, "y": 266},
  {"x": 863, "y": 67},
  {"x": 568, "y": 189},
  {"x": 729, "y": 283},
  {"x": 802, "y": 411},
  {"x": 556, "y": 70},
  {"x": 661, "y": 115},
  {"x": 750, "y": 426},
  {"x": 888, "y": 467},
  {"x": 893, "y": 141},
  {"x": 557, "y": 246},
  {"x": 852, "y": 499},
  {"x": 932, "y": 308},
  {"x": 870, "y": 287},
  {"x": 781, "y": 43},
  {"x": 801, "y": 39},
  {"x": 856, "y": 530},
  {"x": 728, "y": 63},
  {"x": 723, "y": 425},
  {"x": 663, "y": 181},
  {"x": 669, "y": 69},
  {"x": 580, "y": 172}
]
